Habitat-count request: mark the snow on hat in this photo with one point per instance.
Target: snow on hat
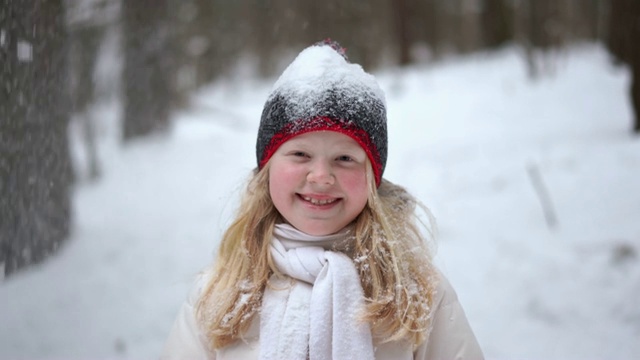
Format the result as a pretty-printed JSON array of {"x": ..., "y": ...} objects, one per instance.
[{"x": 321, "y": 90}]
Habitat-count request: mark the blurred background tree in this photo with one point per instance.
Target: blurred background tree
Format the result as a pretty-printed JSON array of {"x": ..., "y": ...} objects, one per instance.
[
  {"x": 170, "y": 48},
  {"x": 148, "y": 66},
  {"x": 35, "y": 165},
  {"x": 624, "y": 43},
  {"x": 87, "y": 23}
]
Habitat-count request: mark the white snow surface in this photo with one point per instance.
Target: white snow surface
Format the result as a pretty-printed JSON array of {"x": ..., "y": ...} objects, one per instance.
[
  {"x": 320, "y": 67},
  {"x": 315, "y": 73},
  {"x": 462, "y": 136}
]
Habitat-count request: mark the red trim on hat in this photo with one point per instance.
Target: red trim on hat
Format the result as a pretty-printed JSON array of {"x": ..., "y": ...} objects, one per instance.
[{"x": 322, "y": 123}]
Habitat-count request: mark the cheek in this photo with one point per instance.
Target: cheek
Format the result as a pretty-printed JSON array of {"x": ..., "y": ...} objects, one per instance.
[
  {"x": 282, "y": 180},
  {"x": 354, "y": 179},
  {"x": 275, "y": 182},
  {"x": 355, "y": 183},
  {"x": 282, "y": 172}
]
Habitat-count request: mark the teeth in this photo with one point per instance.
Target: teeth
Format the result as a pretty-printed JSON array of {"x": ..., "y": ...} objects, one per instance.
[{"x": 318, "y": 201}]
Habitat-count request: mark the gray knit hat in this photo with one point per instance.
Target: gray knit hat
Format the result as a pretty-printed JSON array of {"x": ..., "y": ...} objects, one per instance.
[{"x": 321, "y": 90}]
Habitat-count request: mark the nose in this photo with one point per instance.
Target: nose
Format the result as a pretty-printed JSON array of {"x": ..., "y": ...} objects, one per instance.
[{"x": 321, "y": 173}]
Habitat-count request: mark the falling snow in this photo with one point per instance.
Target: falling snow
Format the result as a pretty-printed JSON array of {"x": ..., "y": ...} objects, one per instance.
[
  {"x": 461, "y": 135},
  {"x": 24, "y": 51}
]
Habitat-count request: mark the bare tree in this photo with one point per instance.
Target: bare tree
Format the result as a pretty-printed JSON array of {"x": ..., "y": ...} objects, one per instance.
[
  {"x": 428, "y": 25},
  {"x": 87, "y": 23},
  {"x": 624, "y": 32},
  {"x": 35, "y": 166},
  {"x": 148, "y": 66},
  {"x": 402, "y": 23},
  {"x": 542, "y": 31},
  {"x": 497, "y": 23}
]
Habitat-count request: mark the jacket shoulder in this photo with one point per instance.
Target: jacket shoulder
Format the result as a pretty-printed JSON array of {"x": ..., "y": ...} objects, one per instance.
[{"x": 451, "y": 336}]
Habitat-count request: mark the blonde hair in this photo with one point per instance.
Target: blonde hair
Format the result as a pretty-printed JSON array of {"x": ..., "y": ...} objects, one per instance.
[{"x": 389, "y": 251}]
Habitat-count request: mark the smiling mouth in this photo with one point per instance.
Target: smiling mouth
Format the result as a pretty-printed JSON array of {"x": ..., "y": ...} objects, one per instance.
[{"x": 318, "y": 201}]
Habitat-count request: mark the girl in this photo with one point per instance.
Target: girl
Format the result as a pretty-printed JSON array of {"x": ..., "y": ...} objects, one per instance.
[{"x": 324, "y": 259}]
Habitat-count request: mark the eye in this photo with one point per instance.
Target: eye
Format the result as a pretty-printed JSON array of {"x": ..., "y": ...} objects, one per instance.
[
  {"x": 346, "y": 158},
  {"x": 298, "y": 154}
]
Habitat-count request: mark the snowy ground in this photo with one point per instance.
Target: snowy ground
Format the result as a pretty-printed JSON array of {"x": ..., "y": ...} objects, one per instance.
[{"x": 465, "y": 136}]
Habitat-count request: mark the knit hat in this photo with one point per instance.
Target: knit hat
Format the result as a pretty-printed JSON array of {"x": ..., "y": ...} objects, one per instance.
[{"x": 322, "y": 91}]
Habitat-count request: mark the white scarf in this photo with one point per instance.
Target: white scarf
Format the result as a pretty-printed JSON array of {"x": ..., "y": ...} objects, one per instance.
[{"x": 315, "y": 317}]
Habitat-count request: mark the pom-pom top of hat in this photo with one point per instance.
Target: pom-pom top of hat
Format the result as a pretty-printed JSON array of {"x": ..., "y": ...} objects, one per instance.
[
  {"x": 335, "y": 46},
  {"x": 322, "y": 90}
]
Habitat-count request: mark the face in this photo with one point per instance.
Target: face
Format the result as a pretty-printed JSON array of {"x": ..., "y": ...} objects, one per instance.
[{"x": 318, "y": 181}]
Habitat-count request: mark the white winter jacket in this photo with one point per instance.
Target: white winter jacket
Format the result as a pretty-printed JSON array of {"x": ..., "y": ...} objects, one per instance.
[{"x": 450, "y": 338}]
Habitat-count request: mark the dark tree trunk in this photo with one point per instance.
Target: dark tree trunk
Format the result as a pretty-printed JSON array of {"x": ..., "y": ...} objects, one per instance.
[
  {"x": 624, "y": 32},
  {"x": 147, "y": 67},
  {"x": 635, "y": 96},
  {"x": 35, "y": 166},
  {"x": 401, "y": 21},
  {"x": 429, "y": 23},
  {"x": 496, "y": 23}
]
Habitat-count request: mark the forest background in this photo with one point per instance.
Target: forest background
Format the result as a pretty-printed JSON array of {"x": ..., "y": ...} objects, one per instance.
[
  {"x": 152, "y": 61},
  {"x": 169, "y": 49}
]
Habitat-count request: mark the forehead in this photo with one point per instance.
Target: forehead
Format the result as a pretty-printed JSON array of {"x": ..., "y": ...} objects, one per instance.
[{"x": 332, "y": 138}]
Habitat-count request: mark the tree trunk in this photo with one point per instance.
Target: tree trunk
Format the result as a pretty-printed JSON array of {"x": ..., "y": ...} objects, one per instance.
[
  {"x": 84, "y": 45},
  {"x": 623, "y": 44},
  {"x": 35, "y": 166},
  {"x": 496, "y": 23},
  {"x": 147, "y": 67},
  {"x": 401, "y": 20},
  {"x": 429, "y": 21}
]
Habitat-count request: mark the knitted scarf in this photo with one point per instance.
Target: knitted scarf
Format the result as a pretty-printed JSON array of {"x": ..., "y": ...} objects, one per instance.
[{"x": 315, "y": 316}]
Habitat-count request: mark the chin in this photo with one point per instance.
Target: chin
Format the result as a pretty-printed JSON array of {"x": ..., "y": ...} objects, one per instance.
[{"x": 320, "y": 230}]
